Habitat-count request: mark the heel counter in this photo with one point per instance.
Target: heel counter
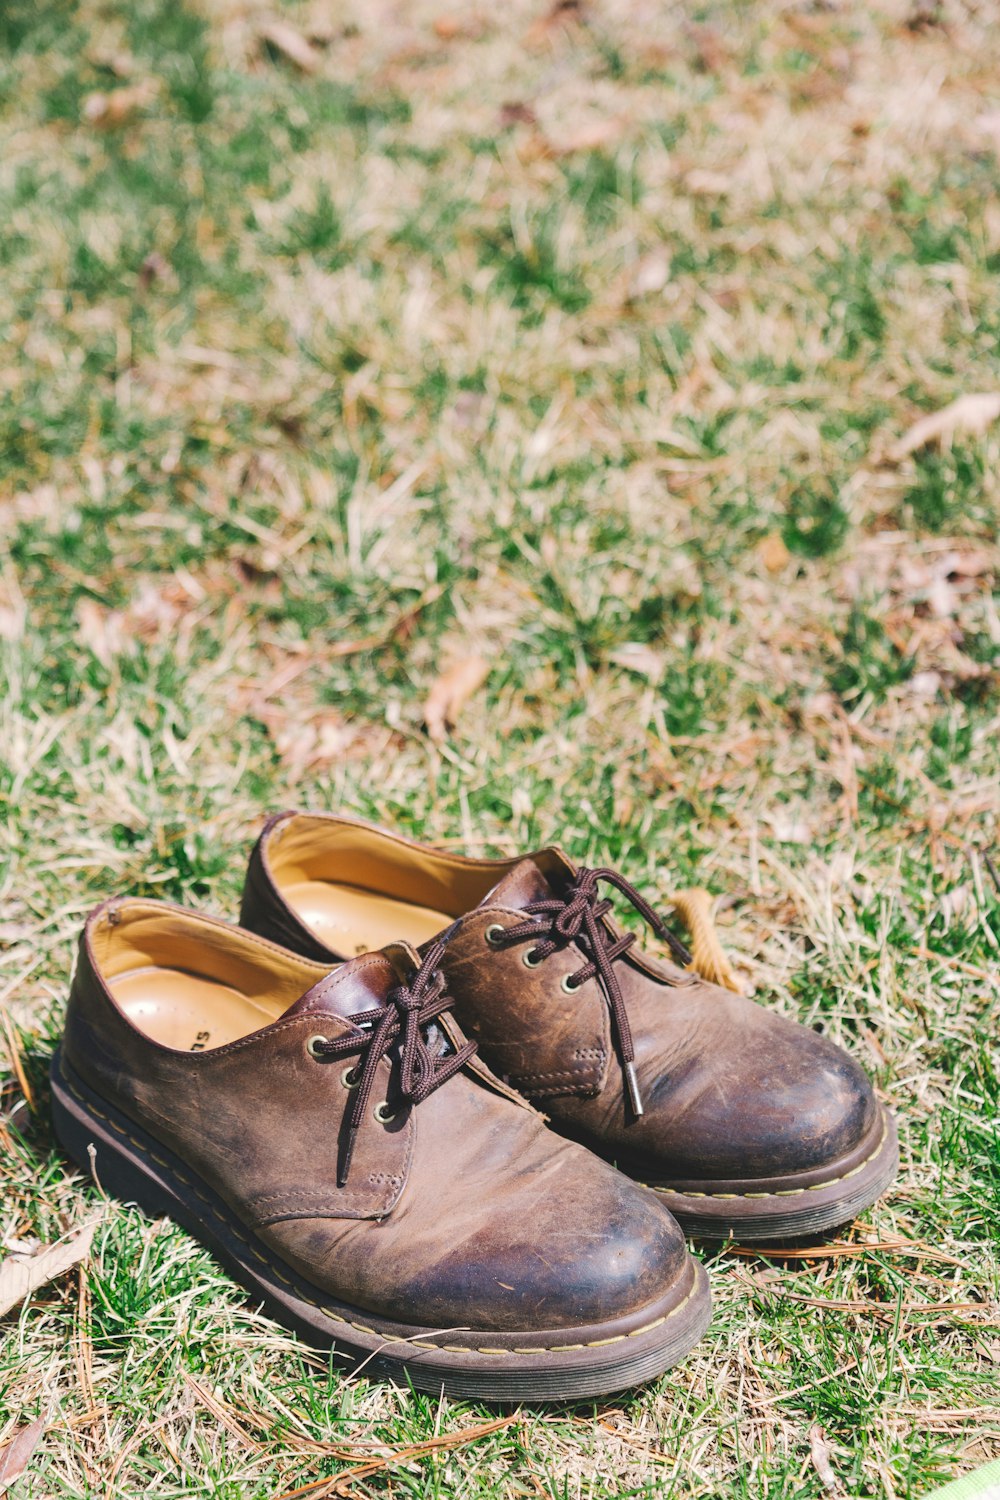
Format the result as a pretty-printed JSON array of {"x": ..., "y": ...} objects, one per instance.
[
  {"x": 264, "y": 911},
  {"x": 95, "y": 1032},
  {"x": 79, "y": 1033}
]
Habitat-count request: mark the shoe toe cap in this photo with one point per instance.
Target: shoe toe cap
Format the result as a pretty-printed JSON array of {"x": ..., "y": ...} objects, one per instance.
[
  {"x": 777, "y": 1100},
  {"x": 603, "y": 1255}
]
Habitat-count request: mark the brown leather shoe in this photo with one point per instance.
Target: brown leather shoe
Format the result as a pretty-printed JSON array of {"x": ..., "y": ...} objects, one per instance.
[
  {"x": 334, "y": 1139},
  {"x": 743, "y": 1122}
]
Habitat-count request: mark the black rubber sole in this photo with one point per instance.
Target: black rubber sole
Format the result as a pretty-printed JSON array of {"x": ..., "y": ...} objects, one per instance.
[
  {"x": 791, "y": 1211},
  {"x": 567, "y": 1364}
]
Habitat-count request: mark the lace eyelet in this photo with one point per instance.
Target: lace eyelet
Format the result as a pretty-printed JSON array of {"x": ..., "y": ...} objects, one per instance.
[
  {"x": 313, "y": 1045},
  {"x": 567, "y": 986},
  {"x": 494, "y": 933},
  {"x": 530, "y": 958},
  {"x": 348, "y": 1079},
  {"x": 381, "y": 1113}
]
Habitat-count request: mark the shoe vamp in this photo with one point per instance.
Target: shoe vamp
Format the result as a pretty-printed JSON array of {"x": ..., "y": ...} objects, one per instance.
[
  {"x": 728, "y": 1088},
  {"x": 501, "y": 1225}
]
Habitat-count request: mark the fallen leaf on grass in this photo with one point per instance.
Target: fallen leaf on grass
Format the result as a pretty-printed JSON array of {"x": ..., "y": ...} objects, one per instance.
[
  {"x": 708, "y": 957},
  {"x": 514, "y": 112},
  {"x": 20, "y": 1275},
  {"x": 819, "y": 1451},
  {"x": 564, "y": 13},
  {"x": 292, "y": 45},
  {"x": 450, "y": 692},
  {"x": 455, "y": 27},
  {"x": 15, "y": 1455},
  {"x": 118, "y": 105},
  {"x": 593, "y": 136},
  {"x": 773, "y": 553},
  {"x": 969, "y": 414},
  {"x": 313, "y": 742}
]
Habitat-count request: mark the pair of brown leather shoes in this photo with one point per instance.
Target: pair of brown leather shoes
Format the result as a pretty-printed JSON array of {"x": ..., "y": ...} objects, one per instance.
[{"x": 300, "y": 1093}]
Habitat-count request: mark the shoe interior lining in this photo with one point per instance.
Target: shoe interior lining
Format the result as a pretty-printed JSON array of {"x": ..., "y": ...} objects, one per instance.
[
  {"x": 188, "y": 1011},
  {"x": 352, "y": 921},
  {"x": 309, "y": 847},
  {"x": 192, "y": 983},
  {"x": 358, "y": 887}
]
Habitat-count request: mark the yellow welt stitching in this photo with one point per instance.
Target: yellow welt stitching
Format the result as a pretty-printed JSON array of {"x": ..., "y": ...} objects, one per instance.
[
  {"x": 648, "y": 1327},
  {"x": 816, "y": 1187},
  {"x": 337, "y": 1317}
]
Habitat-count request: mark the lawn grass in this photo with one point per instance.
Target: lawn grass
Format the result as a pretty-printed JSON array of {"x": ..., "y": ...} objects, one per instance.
[{"x": 580, "y": 339}]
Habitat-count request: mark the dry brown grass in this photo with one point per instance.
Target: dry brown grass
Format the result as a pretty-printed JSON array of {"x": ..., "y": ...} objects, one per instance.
[{"x": 579, "y": 340}]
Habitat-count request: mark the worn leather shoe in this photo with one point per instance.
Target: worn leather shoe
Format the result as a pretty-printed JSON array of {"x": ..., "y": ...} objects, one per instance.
[
  {"x": 334, "y": 1138},
  {"x": 743, "y": 1122}
]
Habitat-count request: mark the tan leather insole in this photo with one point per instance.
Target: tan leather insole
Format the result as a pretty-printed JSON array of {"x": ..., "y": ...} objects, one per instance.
[
  {"x": 351, "y": 921},
  {"x": 186, "y": 1011}
]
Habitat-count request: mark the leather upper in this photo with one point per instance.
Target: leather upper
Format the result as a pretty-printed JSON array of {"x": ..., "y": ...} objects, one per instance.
[
  {"x": 732, "y": 1092},
  {"x": 462, "y": 1210}
]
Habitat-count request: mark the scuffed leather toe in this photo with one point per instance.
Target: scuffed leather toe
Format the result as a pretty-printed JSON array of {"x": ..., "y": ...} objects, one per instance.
[
  {"x": 772, "y": 1098},
  {"x": 614, "y": 1254},
  {"x": 579, "y": 1244}
]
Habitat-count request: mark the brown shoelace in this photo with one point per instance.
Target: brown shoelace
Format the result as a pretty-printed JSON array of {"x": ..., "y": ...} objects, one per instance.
[
  {"x": 407, "y": 1011},
  {"x": 578, "y": 916}
]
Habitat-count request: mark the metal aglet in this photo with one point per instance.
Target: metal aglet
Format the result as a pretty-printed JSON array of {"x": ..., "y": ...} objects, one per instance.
[
  {"x": 345, "y": 1164},
  {"x": 632, "y": 1084}
]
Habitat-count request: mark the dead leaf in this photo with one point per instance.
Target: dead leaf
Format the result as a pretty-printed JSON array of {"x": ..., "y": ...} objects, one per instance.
[
  {"x": 820, "y": 1453},
  {"x": 119, "y": 105},
  {"x": 564, "y": 13},
  {"x": 308, "y": 744},
  {"x": 773, "y": 553},
  {"x": 969, "y": 414},
  {"x": 708, "y": 957},
  {"x": 964, "y": 564},
  {"x": 450, "y": 692},
  {"x": 452, "y": 27},
  {"x": 20, "y": 1275},
  {"x": 640, "y": 658},
  {"x": 711, "y": 54},
  {"x": 153, "y": 268},
  {"x": 292, "y": 45},
  {"x": 516, "y": 113},
  {"x": 591, "y": 137},
  {"x": 15, "y": 1455}
]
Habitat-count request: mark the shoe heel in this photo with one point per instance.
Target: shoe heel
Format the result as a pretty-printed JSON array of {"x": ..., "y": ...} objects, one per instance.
[{"x": 90, "y": 1141}]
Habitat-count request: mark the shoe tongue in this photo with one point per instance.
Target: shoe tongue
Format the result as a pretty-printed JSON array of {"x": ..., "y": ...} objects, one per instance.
[
  {"x": 519, "y": 887},
  {"x": 362, "y": 984}
]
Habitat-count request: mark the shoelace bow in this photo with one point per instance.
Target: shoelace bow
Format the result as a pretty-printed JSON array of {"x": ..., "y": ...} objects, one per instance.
[
  {"x": 406, "y": 1013},
  {"x": 578, "y": 916}
]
